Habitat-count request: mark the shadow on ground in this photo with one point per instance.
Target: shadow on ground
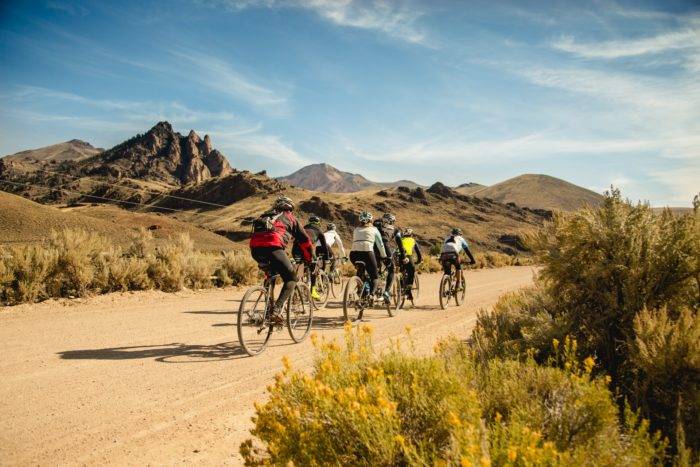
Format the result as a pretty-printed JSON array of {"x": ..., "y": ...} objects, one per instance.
[{"x": 166, "y": 353}]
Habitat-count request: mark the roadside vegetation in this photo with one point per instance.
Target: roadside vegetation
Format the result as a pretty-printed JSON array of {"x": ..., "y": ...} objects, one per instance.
[
  {"x": 597, "y": 364},
  {"x": 78, "y": 263}
]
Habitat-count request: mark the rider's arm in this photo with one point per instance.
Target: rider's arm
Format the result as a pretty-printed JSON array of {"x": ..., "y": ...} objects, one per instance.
[
  {"x": 419, "y": 254},
  {"x": 399, "y": 243},
  {"x": 302, "y": 239},
  {"x": 324, "y": 244},
  {"x": 340, "y": 244},
  {"x": 379, "y": 243},
  {"x": 465, "y": 246}
]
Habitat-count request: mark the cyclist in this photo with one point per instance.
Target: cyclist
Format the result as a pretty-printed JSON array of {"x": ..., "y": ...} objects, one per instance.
[
  {"x": 391, "y": 236},
  {"x": 271, "y": 234},
  {"x": 313, "y": 230},
  {"x": 454, "y": 244},
  {"x": 409, "y": 247},
  {"x": 364, "y": 240},
  {"x": 331, "y": 238}
]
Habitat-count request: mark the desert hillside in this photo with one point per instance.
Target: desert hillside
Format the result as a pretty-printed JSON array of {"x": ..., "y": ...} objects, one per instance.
[
  {"x": 541, "y": 192},
  {"x": 326, "y": 178},
  {"x": 24, "y": 221},
  {"x": 73, "y": 150}
]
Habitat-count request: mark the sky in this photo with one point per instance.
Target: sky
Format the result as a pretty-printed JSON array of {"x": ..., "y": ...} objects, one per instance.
[{"x": 598, "y": 93}]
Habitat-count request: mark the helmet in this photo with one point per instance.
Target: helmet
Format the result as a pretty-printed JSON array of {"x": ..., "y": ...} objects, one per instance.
[
  {"x": 284, "y": 203},
  {"x": 456, "y": 231},
  {"x": 389, "y": 218},
  {"x": 314, "y": 220},
  {"x": 408, "y": 232},
  {"x": 331, "y": 226},
  {"x": 365, "y": 217}
]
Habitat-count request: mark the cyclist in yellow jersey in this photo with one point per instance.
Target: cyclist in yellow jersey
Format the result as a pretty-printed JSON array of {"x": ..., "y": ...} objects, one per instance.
[{"x": 410, "y": 246}]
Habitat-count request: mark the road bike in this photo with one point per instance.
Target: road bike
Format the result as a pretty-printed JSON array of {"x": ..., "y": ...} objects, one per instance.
[
  {"x": 452, "y": 287},
  {"x": 257, "y": 322},
  {"x": 357, "y": 298}
]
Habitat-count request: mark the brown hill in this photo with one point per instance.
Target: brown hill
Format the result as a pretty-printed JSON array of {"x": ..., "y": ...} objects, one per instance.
[
  {"x": 73, "y": 150},
  {"x": 468, "y": 188},
  {"x": 24, "y": 221},
  {"x": 432, "y": 213},
  {"x": 325, "y": 177},
  {"x": 541, "y": 192}
]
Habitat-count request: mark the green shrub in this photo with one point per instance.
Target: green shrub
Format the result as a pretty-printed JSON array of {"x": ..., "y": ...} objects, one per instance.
[
  {"x": 237, "y": 269},
  {"x": 361, "y": 408},
  {"x": 602, "y": 268}
]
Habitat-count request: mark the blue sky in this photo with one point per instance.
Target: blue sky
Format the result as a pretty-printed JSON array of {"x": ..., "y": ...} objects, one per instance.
[{"x": 597, "y": 93}]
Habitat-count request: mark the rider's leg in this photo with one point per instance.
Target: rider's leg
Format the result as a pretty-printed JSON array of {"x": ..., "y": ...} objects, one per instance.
[
  {"x": 279, "y": 262},
  {"x": 389, "y": 272},
  {"x": 372, "y": 271},
  {"x": 410, "y": 269}
]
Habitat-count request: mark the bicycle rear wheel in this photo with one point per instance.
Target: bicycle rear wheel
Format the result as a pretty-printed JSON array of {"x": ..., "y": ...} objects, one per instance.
[
  {"x": 352, "y": 297},
  {"x": 445, "y": 291},
  {"x": 323, "y": 288},
  {"x": 461, "y": 289},
  {"x": 416, "y": 287},
  {"x": 254, "y": 330},
  {"x": 300, "y": 313}
]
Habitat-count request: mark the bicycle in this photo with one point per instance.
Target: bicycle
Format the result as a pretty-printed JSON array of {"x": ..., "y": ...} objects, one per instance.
[
  {"x": 322, "y": 281},
  {"x": 415, "y": 289},
  {"x": 357, "y": 298},
  {"x": 334, "y": 277},
  {"x": 452, "y": 288},
  {"x": 256, "y": 323}
]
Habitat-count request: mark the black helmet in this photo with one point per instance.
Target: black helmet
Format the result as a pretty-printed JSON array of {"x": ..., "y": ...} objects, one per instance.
[
  {"x": 314, "y": 220},
  {"x": 284, "y": 203},
  {"x": 330, "y": 226},
  {"x": 456, "y": 231},
  {"x": 389, "y": 218}
]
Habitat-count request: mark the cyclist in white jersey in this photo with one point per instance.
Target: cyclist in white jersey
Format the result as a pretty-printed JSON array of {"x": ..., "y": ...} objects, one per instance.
[
  {"x": 332, "y": 237},
  {"x": 364, "y": 239}
]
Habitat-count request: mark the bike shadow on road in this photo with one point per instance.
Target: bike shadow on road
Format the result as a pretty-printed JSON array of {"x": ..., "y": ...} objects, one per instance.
[{"x": 165, "y": 353}]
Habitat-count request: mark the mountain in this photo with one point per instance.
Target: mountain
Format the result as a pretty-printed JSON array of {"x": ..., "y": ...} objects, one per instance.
[
  {"x": 325, "y": 177},
  {"x": 541, "y": 192},
  {"x": 158, "y": 161},
  {"x": 468, "y": 188},
  {"x": 73, "y": 150}
]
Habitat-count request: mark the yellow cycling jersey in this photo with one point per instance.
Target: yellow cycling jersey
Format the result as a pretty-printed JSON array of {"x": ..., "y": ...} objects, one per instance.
[{"x": 408, "y": 243}]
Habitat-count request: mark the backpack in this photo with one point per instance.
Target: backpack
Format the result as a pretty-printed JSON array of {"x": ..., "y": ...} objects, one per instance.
[{"x": 266, "y": 222}]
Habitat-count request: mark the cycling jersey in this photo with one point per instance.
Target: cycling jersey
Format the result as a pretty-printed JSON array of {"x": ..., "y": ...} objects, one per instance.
[
  {"x": 286, "y": 227},
  {"x": 332, "y": 237},
  {"x": 365, "y": 238},
  {"x": 455, "y": 244},
  {"x": 408, "y": 244},
  {"x": 391, "y": 235}
]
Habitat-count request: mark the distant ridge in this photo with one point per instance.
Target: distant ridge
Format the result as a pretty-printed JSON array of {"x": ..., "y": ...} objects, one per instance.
[
  {"x": 325, "y": 177},
  {"x": 541, "y": 192},
  {"x": 73, "y": 150}
]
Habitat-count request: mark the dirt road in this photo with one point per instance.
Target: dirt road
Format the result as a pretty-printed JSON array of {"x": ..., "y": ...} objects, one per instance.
[{"x": 153, "y": 378}]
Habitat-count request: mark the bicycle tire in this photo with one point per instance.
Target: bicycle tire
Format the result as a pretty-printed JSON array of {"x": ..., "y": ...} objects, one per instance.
[
  {"x": 416, "y": 287},
  {"x": 300, "y": 313},
  {"x": 351, "y": 295},
  {"x": 461, "y": 294},
  {"x": 445, "y": 290},
  {"x": 324, "y": 283},
  {"x": 253, "y": 346}
]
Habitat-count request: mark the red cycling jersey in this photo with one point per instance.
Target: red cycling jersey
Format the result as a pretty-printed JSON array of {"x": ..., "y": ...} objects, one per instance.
[{"x": 286, "y": 228}]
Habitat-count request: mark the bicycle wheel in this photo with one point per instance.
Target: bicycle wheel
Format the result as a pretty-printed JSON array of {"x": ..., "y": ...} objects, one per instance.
[
  {"x": 461, "y": 289},
  {"x": 445, "y": 290},
  {"x": 352, "y": 297},
  {"x": 331, "y": 284},
  {"x": 300, "y": 313},
  {"x": 254, "y": 330},
  {"x": 397, "y": 292},
  {"x": 416, "y": 287},
  {"x": 323, "y": 289},
  {"x": 402, "y": 294}
]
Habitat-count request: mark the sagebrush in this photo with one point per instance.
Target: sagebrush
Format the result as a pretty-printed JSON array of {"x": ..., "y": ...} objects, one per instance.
[
  {"x": 624, "y": 282},
  {"x": 363, "y": 408},
  {"x": 76, "y": 263}
]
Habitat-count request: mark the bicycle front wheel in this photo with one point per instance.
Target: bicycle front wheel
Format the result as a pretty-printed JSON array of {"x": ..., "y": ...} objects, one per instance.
[
  {"x": 445, "y": 291},
  {"x": 352, "y": 307},
  {"x": 254, "y": 329},
  {"x": 323, "y": 288},
  {"x": 299, "y": 313}
]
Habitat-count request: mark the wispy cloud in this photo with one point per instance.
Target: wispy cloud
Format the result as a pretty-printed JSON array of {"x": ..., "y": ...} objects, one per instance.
[
  {"x": 218, "y": 75},
  {"x": 684, "y": 39},
  {"x": 395, "y": 18},
  {"x": 254, "y": 142}
]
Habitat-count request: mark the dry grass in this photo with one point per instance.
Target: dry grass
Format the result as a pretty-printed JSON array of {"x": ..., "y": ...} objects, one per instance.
[{"x": 76, "y": 263}]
